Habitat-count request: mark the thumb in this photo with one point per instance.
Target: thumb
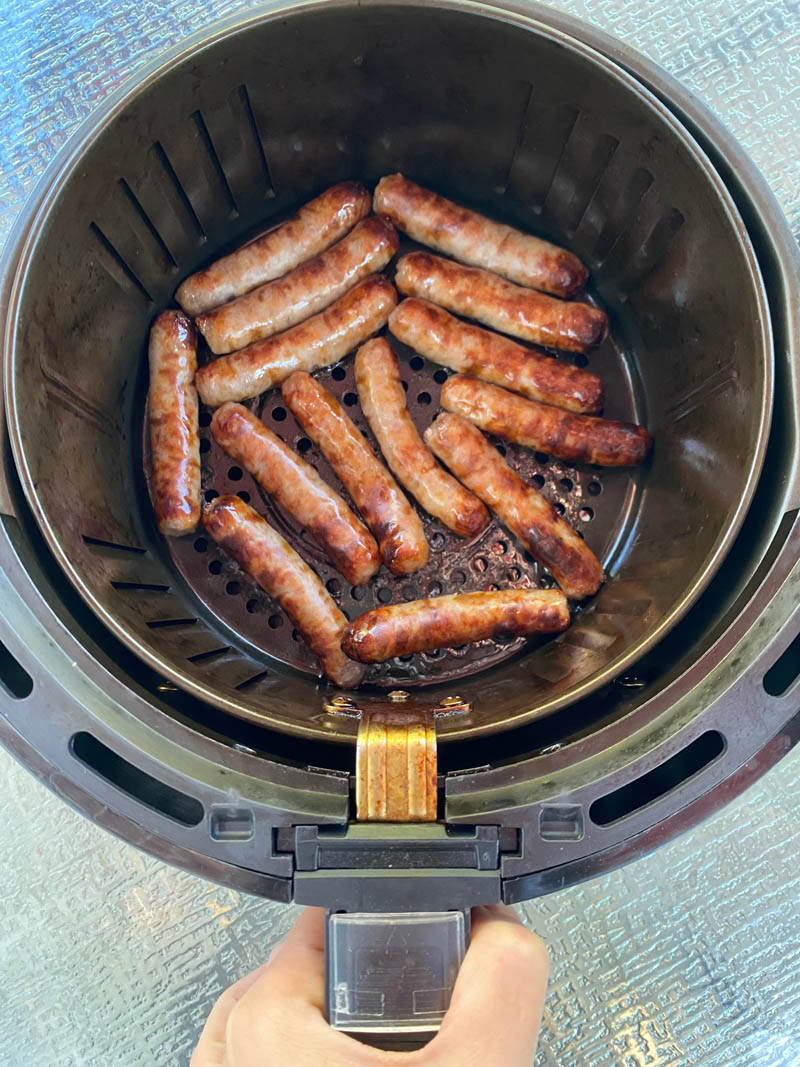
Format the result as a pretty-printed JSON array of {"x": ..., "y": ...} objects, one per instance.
[{"x": 498, "y": 999}]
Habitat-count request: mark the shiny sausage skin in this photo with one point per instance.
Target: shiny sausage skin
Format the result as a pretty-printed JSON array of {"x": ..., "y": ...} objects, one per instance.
[
  {"x": 317, "y": 342},
  {"x": 577, "y": 438},
  {"x": 439, "y": 336},
  {"x": 299, "y": 490},
  {"x": 525, "y": 512},
  {"x": 393, "y": 521},
  {"x": 472, "y": 238},
  {"x": 316, "y": 226},
  {"x": 450, "y": 621},
  {"x": 306, "y": 290},
  {"x": 273, "y": 563},
  {"x": 383, "y": 401},
  {"x": 480, "y": 295},
  {"x": 174, "y": 432}
]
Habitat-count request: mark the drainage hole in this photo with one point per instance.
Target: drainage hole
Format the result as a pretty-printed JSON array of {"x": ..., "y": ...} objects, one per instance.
[
  {"x": 252, "y": 606},
  {"x": 333, "y": 586},
  {"x": 559, "y": 507},
  {"x": 384, "y": 595},
  {"x": 297, "y": 636},
  {"x": 279, "y": 414},
  {"x": 350, "y": 399},
  {"x": 303, "y": 445},
  {"x": 424, "y": 398},
  {"x": 232, "y": 588},
  {"x": 501, "y": 449},
  {"x": 538, "y": 481},
  {"x": 586, "y": 514},
  {"x": 275, "y": 622},
  {"x": 500, "y": 547},
  {"x": 440, "y": 376},
  {"x": 210, "y": 494},
  {"x": 404, "y": 384},
  {"x": 244, "y": 496},
  {"x": 215, "y": 567},
  {"x": 480, "y": 564},
  {"x": 200, "y": 544},
  {"x": 204, "y": 418},
  {"x": 458, "y": 577},
  {"x": 581, "y": 360},
  {"x": 594, "y": 488},
  {"x": 205, "y": 445},
  {"x": 417, "y": 362},
  {"x": 357, "y": 592},
  {"x": 542, "y": 458},
  {"x": 437, "y": 540},
  {"x": 435, "y": 589},
  {"x": 567, "y": 485},
  {"x": 338, "y": 374},
  {"x": 235, "y": 474}
]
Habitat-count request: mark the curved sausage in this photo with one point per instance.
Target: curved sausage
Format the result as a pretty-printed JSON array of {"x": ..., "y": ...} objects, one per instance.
[
  {"x": 299, "y": 490},
  {"x": 317, "y": 342},
  {"x": 525, "y": 512},
  {"x": 383, "y": 401},
  {"x": 438, "y": 335},
  {"x": 273, "y": 563},
  {"x": 472, "y": 238},
  {"x": 451, "y": 621},
  {"x": 524, "y": 313},
  {"x": 306, "y": 290},
  {"x": 577, "y": 438},
  {"x": 314, "y": 228},
  {"x": 172, "y": 416},
  {"x": 396, "y": 526}
]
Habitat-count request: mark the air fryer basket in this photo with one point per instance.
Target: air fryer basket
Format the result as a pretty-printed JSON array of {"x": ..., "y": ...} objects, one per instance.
[{"x": 526, "y": 126}]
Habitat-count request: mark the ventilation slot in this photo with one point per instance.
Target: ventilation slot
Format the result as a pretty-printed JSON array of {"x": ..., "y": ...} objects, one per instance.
[
  {"x": 163, "y": 159},
  {"x": 147, "y": 222},
  {"x": 149, "y": 791},
  {"x": 116, "y": 266},
  {"x": 162, "y": 624},
  {"x": 205, "y": 139},
  {"x": 784, "y": 671},
  {"x": 13, "y": 677},
  {"x": 112, "y": 548},
  {"x": 203, "y": 657},
  {"x": 675, "y": 771},
  {"x": 140, "y": 587}
]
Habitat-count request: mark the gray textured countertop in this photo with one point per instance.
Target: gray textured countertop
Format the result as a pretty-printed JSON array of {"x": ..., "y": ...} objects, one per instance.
[{"x": 690, "y": 956}]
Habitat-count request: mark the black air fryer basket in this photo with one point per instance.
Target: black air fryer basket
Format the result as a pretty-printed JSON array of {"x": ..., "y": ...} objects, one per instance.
[{"x": 161, "y": 692}]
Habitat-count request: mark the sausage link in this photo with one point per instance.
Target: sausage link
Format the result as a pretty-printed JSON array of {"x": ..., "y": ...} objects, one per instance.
[
  {"x": 396, "y": 526},
  {"x": 172, "y": 417},
  {"x": 478, "y": 294},
  {"x": 472, "y": 238},
  {"x": 273, "y": 563},
  {"x": 319, "y": 341},
  {"x": 525, "y": 512},
  {"x": 306, "y": 290},
  {"x": 439, "y": 336},
  {"x": 451, "y": 621},
  {"x": 577, "y": 438},
  {"x": 316, "y": 226},
  {"x": 299, "y": 490},
  {"x": 383, "y": 401}
]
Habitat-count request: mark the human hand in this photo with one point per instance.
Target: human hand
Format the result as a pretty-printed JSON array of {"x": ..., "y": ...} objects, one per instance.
[{"x": 274, "y": 1017}]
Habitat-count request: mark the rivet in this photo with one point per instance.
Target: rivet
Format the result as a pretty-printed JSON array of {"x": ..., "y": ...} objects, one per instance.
[
  {"x": 451, "y": 702},
  {"x": 397, "y": 696}
]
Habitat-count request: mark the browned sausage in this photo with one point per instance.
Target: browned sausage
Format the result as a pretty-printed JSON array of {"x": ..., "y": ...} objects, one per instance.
[
  {"x": 577, "y": 438},
  {"x": 314, "y": 228},
  {"x": 172, "y": 416},
  {"x": 387, "y": 512},
  {"x": 451, "y": 621},
  {"x": 299, "y": 490},
  {"x": 472, "y": 238},
  {"x": 438, "y": 335},
  {"x": 525, "y": 512},
  {"x": 383, "y": 401},
  {"x": 477, "y": 294},
  {"x": 273, "y": 563},
  {"x": 306, "y": 290},
  {"x": 317, "y": 342}
]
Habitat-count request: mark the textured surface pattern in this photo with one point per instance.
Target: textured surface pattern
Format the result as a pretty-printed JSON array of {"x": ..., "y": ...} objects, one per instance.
[{"x": 687, "y": 957}]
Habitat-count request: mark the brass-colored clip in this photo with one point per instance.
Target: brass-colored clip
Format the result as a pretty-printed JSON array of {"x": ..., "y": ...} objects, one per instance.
[{"x": 396, "y": 766}]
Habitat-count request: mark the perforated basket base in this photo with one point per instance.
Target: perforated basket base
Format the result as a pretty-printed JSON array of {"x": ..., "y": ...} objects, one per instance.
[{"x": 599, "y": 503}]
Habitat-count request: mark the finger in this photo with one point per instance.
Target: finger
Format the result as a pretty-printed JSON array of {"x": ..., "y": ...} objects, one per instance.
[
  {"x": 296, "y": 969},
  {"x": 499, "y": 991},
  {"x": 210, "y": 1049}
]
